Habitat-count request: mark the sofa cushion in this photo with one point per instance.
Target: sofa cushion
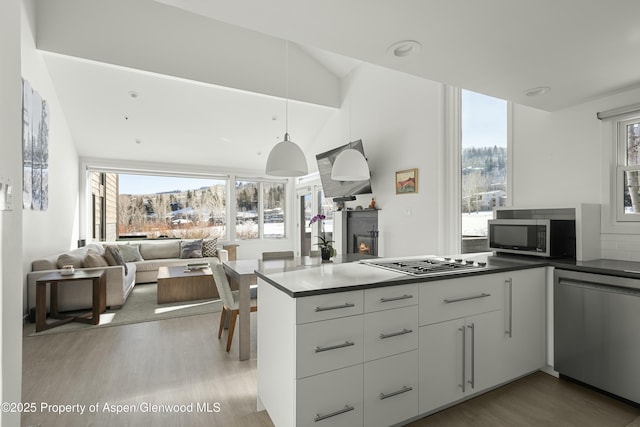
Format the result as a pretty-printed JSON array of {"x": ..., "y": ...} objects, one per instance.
[
  {"x": 98, "y": 248},
  {"x": 191, "y": 249},
  {"x": 114, "y": 257},
  {"x": 158, "y": 250},
  {"x": 130, "y": 253},
  {"x": 209, "y": 247},
  {"x": 70, "y": 258},
  {"x": 94, "y": 259}
]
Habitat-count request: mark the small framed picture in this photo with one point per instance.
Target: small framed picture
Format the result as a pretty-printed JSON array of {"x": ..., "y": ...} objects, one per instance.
[{"x": 407, "y": 181}]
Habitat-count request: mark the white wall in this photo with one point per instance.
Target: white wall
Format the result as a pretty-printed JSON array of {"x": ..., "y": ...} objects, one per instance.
[
  {"x": 11, "y": 220},
  {"x": 56, "y": 229},
  {"x": 396, "y": 116},
  {"x": 556, "y": 156},
  {"x": 560, "y": 158}
]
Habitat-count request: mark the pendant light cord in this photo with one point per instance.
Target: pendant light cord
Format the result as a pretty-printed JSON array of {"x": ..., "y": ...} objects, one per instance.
[
  {"x": 350, "y": 106},
  {"x": 286, "y": 86}
]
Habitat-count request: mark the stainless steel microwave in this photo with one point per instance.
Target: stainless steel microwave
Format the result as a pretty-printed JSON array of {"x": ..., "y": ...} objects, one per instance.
[{"x": 539, "y": 237}]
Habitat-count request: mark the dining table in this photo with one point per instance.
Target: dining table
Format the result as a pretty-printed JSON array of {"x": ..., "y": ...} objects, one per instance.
[{"x": 242, "y": 275}]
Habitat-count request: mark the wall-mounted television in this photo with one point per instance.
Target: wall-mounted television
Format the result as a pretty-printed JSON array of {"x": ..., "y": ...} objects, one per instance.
[{"x": 339, "y": 189}]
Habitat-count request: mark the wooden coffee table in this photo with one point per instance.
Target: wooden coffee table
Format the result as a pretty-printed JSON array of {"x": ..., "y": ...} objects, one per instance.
[{"x": 176, "y": 284}]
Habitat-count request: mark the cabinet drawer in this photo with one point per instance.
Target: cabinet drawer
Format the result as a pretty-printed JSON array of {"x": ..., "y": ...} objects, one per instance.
[
  {"x": 332, "y": 399},
  {"x": 390, "y": 332},
  {"x": 390, "y": 297},
  {"x": 328, "y": 345},
  {"x": 391, "y": 389},
  {"x": 329, "y": 306},
  {"x": 455, "y": 298}
]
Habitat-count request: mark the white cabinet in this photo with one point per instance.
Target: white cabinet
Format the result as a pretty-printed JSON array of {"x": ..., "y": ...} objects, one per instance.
[
  {"x": 391, "y": 389},
  {"x": 460, "y": 297},
  {"x": 382, "y": 356},
  {"x": 390, "y": 332},
  {"x": 328, "y": 306},
  {"x": 523, "y": 347},
  {"x": 332, "y": 399},
  {"x": 458, "y": 358},
  {"x": 328, "y": 345}
]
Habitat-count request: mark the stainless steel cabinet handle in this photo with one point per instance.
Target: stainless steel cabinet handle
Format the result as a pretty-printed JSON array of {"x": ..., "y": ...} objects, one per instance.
[
  {"x": 404, "y": 389},
  {"x": 333, "y": 347},
  {"x": 395, "y": 334},
  {"x": 482, "y": 295},
  {"x": 335, "y": 307},
  {"x": 509, "y": 283},
  {"x": 464, "y": 351},
  {"x": 473, "y": 355},
  {"x": 396, "y": 298},
  {"x": 346, "y": 408}
]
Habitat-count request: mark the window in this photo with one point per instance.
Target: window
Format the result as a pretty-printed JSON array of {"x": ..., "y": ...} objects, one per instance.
[
  {"x": 274, "y": 196},
  {"x": 152, "y": 206},
  {"x": 483, "y": 165},
  {"x": 256, "y": 200},
  {"x": 247, "y": 220},
  {"x": 628, "y": 170}
]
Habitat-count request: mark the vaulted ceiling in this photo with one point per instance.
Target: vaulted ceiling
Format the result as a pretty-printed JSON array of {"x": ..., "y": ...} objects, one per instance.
[{"x": 208, "y": 76}]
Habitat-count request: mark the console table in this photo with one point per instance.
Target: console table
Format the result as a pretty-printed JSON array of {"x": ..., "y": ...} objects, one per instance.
[{"x": 99, "y": 298}]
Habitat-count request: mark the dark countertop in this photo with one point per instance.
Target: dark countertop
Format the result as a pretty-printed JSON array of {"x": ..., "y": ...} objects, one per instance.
[{"x": 301, "y": 278}]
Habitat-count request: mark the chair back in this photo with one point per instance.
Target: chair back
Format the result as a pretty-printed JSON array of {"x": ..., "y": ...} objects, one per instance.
[
  {"x": 222, "y": 283},
  {"x": 277, "y": 255}
]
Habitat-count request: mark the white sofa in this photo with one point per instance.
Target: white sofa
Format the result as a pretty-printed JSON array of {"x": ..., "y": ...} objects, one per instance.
[{"x": 154, "y": 254}]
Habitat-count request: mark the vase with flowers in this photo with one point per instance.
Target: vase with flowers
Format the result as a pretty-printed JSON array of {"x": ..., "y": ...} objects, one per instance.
[{"x": 326, "y": 246}]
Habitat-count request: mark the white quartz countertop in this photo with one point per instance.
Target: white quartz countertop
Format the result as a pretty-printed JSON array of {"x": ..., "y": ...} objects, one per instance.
[
  {"x": 342, "y": 277},
  {"x": 333, "y": 277},
  {"x": 346, "y": 276}
]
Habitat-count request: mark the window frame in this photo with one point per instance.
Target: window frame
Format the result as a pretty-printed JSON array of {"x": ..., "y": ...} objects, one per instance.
[
  {"x": 261, "y": 182},
  {"x": 453, "y": 106},
  {"x": 89, "y": 165},
  {"x": 620, "y": 166}
]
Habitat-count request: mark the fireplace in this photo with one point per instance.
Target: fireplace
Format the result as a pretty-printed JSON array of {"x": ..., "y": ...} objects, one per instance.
[
  {"x": 364, "y": 244},
  {"x": 356, "y": 232}
]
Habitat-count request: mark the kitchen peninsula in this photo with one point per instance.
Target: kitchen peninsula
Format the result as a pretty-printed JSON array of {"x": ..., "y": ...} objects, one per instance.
[{"x": 353, "y": 344}]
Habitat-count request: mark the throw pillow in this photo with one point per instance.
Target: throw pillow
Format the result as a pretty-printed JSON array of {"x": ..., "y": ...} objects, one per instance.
[
  {"x": 114, "y": 257},
  {"x": 191, "y": 248},
  {"x": 92, "y": 259},
  {"x": 70, "y": 259},
  {"x": 130, "y": 253},
  {"x": 210, "y": 247}
]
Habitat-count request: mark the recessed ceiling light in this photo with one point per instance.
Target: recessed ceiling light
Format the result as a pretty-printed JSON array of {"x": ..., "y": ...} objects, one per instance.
[
  {"x": 404, "y": 48},
  {"x": 537, "y": 91},
  {"x": 133, "y": 94}
]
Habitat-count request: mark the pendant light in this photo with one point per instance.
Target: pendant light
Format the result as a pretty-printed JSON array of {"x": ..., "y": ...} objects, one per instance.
[
  {"x": 350, "y": 164},
  {"x": 286, "y": 158}
]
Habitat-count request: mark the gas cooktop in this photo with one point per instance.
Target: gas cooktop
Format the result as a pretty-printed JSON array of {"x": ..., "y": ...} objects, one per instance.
[{"x": 425, "y": 266}]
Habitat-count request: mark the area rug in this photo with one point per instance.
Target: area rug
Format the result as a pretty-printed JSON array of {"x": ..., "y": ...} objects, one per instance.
[{"x": 141, "y": 306}]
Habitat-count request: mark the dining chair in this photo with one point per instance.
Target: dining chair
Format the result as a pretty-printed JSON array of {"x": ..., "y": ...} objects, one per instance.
[
  {"x": 277, "y": 255},
  {"x": 230, "y": 302}
]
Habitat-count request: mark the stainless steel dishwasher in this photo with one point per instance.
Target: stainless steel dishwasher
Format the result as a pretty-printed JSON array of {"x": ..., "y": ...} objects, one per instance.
[{"x": 597, "y": 331}]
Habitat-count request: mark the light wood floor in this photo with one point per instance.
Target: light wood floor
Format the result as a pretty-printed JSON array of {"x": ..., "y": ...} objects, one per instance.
[{"x": 181, "y": 361}]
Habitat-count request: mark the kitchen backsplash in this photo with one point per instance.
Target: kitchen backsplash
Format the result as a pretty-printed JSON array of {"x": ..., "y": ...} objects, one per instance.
[{"x": 624, "y": 247}]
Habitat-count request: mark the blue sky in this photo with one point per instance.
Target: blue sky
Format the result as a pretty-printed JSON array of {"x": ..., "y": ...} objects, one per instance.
[
  {"x": 144, "y": 184},
  {"x": 484, "y": 120}
]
